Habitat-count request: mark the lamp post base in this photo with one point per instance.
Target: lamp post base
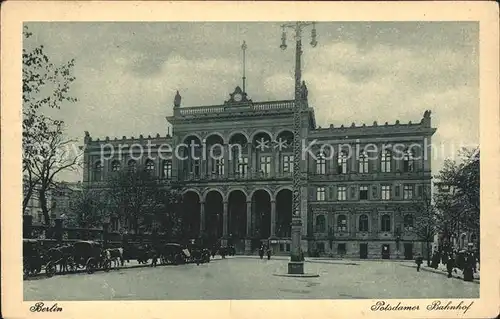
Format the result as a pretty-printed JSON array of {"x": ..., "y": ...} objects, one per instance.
[{"x": 295, "y": 268}]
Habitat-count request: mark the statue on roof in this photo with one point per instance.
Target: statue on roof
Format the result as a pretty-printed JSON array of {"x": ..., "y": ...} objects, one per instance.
[
  {"x": 177, "y": 100},
  {"x": 304, "y": 91}
]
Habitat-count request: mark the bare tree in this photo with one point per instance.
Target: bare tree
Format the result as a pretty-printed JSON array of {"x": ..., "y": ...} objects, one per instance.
[{"x": 45, "y": 86}]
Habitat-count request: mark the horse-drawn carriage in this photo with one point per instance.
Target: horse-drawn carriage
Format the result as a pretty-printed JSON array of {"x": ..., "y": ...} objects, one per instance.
[
  {"x": 33, "y": 259},
  {"x": 173, "y": 253},
  {"x": 90, "y": 256}
]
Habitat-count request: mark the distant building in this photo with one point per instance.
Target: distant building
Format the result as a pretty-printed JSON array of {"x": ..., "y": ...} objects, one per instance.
[
  {"x": 356, "y": 204},
  {"x": 58, "y": 201}
]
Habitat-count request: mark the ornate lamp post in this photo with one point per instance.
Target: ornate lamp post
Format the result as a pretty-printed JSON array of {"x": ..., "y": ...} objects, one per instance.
[
  {"x": 397, "y": 233},
  {"x": 296, "y": 265}
]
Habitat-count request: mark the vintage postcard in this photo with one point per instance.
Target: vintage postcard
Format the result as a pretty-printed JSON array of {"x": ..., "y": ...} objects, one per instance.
[{"x": 250, "y": 160}]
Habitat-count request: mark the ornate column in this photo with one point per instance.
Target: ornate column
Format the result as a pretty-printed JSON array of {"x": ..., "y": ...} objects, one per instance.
[
  {"x": 273, "y": 218},
  {"x": 249, "y": 219},
  {"x": 250, "y": 167},
  {"x": 226, "y": 160},
  {"x": 274, "y": 171}
]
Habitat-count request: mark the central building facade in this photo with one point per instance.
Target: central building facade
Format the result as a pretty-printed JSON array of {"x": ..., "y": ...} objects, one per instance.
[{"x": 233, "y": 163}]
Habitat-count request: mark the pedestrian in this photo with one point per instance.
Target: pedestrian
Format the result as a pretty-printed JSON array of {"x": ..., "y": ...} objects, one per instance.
[
  {"x": 419, "y": 260},
  {"x": 268, "y": 253},
  {"x": 435, "y": 260},
  {"x": 449, "y": 265},
  {"x": 261, "y": 251},
  {"x": 468, "y": 266},
  {"x": 154, "y": 258}
]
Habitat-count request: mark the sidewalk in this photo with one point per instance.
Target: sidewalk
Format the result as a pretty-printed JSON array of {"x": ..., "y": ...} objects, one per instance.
[{"x": 456, "y": 273}]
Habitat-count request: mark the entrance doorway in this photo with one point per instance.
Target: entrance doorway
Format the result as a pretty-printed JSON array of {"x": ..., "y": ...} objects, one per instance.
[
  {"x": 386, "y": 252},
  {"x": 341, "y": 250},
  {"x": 363, "y": 251},
  {"x": 408, "y": 251}
]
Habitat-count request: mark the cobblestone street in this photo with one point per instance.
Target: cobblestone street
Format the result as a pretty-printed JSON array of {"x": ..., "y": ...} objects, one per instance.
[{"x": 252, "y": 278}]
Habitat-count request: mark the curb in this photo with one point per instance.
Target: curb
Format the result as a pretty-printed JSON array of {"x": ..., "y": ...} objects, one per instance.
[{"x": 440, "y": 272}]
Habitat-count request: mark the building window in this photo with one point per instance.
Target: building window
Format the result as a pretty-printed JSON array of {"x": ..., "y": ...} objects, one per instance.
[
  {"x": 363, "y": 192},
  {"x": 363, "y": 223},
  {"x": 243, "y": 166},
  {"x": 408, "y": 222},
  {"x": 397, "y": 191},
  {"x": 320, "y": 223},
  {"x": 386, "y": 161},
  {"x": 132, "y": 166},
  {"x": 321, "y": 164},
  {"x": 219, "y": 167},
  {"x": 265, "y": 165},
  {"x": 195, "y": 169},
  {"x": 98, "y": 171},
  {"x": 420, "y": 191},
  {"x": 320, "y": 194},
  {"x": 363, "y": 163},
  {"x": 386, "y": 223},
  {"x": 342, "y": 193},
  {"x": 408, "y": 191},
  {"x": 150, "y": 166},
  {"x": 320, "y": 247},
  {"x": 167, "y": 169},
  {"x": 342, "y": 163},
  {"x": 342, "y": 223},
  {"x": 386, "y": 192},
  {"x": 408, "y": 161},
  {"x": 287, "y": 163},
  {"x": 115, "y": 166},
  {"x": 374, "y": 192}
]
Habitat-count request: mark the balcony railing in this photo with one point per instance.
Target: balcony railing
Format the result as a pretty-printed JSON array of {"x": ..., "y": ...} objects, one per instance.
[
  {"x": 258, "y": 106},
  {"x": 234, "y": 176}
]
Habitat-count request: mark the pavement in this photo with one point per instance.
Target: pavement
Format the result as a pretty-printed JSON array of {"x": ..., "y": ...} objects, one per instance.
[
  {"x": 247, "y": 277},
  {"x": 457, "y": 273}
]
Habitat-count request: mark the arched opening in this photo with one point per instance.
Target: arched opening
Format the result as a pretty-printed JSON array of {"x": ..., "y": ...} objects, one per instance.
[
  {"x": 214, "y": 208},
  {"x": 238, "y": 155},
  {"x": 191, "y": 158},
  {"x": 263, "y": 147},
  {"x": 214, "y": 164},
  {"x": 284, "y": 213},
  {"x": 237, "y": 214},
  {"x": 190, "y": 215},
  {"x": 284, "y": 152},
  {"x": 261, "y": 214}
]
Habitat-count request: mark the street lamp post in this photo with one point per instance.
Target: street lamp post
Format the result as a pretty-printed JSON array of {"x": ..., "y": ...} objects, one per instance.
[{"x": 296, "y": 265}]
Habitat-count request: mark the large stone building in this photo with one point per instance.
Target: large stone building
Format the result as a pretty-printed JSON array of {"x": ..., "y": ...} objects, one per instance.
[{"x": 357, "y": 201}]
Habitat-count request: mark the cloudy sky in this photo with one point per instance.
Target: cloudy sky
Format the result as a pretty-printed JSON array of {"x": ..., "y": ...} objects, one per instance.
[{"x": 127, "y": 73}]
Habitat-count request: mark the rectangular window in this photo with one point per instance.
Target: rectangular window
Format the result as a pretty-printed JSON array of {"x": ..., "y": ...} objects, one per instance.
[
  {"x": 321, "y": 165},
  {"x": 363, "y": 163},
  {"x": 167, "y": 169},
  {"x": 397, "y": 191},
  {"x": 386, "y": 192},
  {"x": 385, "y": 162},
  {"x": 320, "y": 194},
  {"x": 420, "y": 191},
  {"x": 408, "y": 191},
  {"x": 219, "y": 167},
  {"x": 342, "y": 193},
  {"x": 374, "y": 192},
  {"x": 363, "y": 192},
  {"x": 287, "y": 164},
  {"x": 242, "y": 166},
  {"x": 342, "y": 163},
  {"x": 265, "y": 165}
]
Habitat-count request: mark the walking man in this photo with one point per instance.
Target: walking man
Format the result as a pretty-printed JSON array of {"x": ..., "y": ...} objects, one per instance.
[{"x": 419, "y": 260}]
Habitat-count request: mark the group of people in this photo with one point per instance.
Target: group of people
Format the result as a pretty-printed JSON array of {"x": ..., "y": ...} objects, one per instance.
[
  {"x": 264, "y": 249},
  {"x": 465, "y": 260}
]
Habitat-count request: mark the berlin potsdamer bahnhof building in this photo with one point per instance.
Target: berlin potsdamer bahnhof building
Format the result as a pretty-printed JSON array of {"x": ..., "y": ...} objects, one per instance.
[{"x": 361, "y": 182}]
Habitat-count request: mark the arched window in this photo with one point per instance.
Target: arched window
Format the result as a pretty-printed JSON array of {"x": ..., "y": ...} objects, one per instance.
[
  {"x": 408, "y": 222},
  {"x": 321, "y": 164},
  {"x": 150, "y": 166},
  {"x": 320, "y": 224},
  {"x": 132, "y": 166},
  {"x": 408, "y": 161},
  {"x": 386, "y": 223},
  {"x": 167, "y": 169},
  {"x": 363, "y": 163},
  {"x": 342, "y": 223},
  {"x": 363, "y": 223},
  {"x": 385, "y": 161},
  {"x": 98, "y": 171},
  {"x": 342, "y": 163},
  {"x": 115, "y": 166}
]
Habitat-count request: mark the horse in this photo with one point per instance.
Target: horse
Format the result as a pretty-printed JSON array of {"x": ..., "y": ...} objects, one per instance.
[
  {"x": 59, "y": 255},
  {"x": 115, "y": 255}
]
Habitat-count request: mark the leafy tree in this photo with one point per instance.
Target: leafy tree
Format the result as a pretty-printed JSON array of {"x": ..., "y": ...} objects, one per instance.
[
  {"x": 45, "y": 86},
  {"x": 89, "y": 208},
  {"x": 459, "y": 205}
]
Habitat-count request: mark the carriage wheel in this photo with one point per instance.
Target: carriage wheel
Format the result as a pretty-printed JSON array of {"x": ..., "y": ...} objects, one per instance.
[
  {"x": 106, "y": 265},
  {"x": 50, "y": 269},
  {"x": 71, "y": 264},
  {"x": 90, "y": 266}
]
